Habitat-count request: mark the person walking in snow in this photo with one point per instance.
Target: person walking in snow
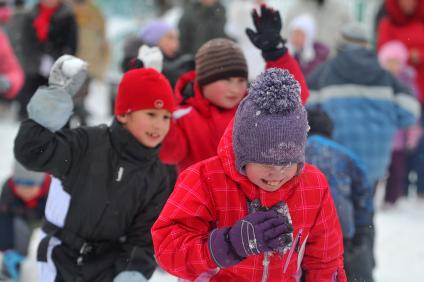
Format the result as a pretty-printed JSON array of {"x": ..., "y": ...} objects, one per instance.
[
  {"x": 256, "y": 211},
  {"x": 365, "y": 102},
  {"x": 49, "y": 30},
  {"x": 351, "y": 191},
  {"x": 209, "y": 96},
  {"x": 112, "y": 185}
]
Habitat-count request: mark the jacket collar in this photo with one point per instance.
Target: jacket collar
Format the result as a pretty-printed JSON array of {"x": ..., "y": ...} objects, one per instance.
[
  {"x": 251, "y": 191},
  {"x": 129, "y": 148}
]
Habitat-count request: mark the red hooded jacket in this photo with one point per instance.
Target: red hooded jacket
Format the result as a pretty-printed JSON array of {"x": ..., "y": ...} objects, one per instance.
[
  {"x": 407, "y": 29},
  {"x": 199, "y": 124},
  {"x": 213, "y": 194}
]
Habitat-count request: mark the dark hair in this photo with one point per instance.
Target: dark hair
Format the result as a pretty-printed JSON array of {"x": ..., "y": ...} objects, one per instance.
[{"x": 319, "y": 122}]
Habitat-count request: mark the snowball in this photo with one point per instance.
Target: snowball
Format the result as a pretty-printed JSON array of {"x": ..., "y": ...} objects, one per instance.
[{"x": 73, "y": 66}]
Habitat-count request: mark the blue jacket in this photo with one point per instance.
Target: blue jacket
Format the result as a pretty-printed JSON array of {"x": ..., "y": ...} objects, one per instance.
[
  {"x": 349, "y": 185},
  {"x": 366, "y": 104}
]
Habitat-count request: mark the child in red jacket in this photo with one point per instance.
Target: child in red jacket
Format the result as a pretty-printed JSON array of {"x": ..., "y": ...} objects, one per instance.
[
  {"x": 257, "y": 211},
  {"x": 209, "y": 96}
]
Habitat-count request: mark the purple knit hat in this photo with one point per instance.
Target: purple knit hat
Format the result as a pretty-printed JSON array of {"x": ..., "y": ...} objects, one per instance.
[
  {"x": 271, "y": 123},
  {"x": 154, "y": 31}
]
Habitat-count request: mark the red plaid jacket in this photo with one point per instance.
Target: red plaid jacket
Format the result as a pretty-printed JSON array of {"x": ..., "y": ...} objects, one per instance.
[
  {"x": 213, "y": 194},
  {"x": 199, "y": 125}
]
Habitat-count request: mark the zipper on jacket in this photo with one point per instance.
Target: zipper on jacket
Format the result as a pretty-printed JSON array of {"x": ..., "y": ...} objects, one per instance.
[
  {"x": 265, "y": 263},
  {"x": 292, "y": 249}
]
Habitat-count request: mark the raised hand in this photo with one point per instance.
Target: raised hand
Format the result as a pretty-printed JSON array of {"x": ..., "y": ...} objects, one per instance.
[{"x": 267, "y": 36}]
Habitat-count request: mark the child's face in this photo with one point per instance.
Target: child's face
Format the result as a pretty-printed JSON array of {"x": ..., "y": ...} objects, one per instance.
[
  {"x": 297, "y": 38},
  {"x": 169, "y": 43},
  {"x": 393, "y": 65},
  {"x": 226, "y": 93},
  {"x": 148, "y": 126},
  {"x": 270, "y": 177},
  {"x": 27, "y": 192}
]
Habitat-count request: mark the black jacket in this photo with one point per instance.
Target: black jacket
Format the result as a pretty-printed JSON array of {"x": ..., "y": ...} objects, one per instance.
[
  {"x": 62, "y": 38},
  {"x": 117, "y": 187}
]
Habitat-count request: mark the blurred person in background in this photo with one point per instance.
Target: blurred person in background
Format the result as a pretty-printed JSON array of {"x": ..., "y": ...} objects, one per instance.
[
  {"x": 161, "y": 34},
  {"x": 49, "y": 31},
  {"x": 393, "y": 56},
  {"x": 329, "y": 16},
  {"x": 405, "y": 22},
  {"x": 92, "y": 48},
  {"x": 11, "y": 75},
  {"x": 201, "y": 21},
  {"x": 351, "y": 191},
  {"x": 303, "y": 46},
  {"x": 366, "y": 103},
  {"x": 22, "y": 202}
]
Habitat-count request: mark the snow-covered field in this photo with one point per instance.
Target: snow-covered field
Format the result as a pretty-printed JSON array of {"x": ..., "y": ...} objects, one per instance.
[{"x": 400, "y": 231}]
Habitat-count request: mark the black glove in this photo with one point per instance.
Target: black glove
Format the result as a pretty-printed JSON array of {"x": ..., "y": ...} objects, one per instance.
[{"x": 267, "y": 36}]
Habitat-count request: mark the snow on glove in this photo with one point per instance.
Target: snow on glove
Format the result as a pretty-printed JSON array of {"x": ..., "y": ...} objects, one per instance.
[
  {"x": 68, "y": 72},
  {"x": 286, "y": 239},
  {"x": 130, "y": 276},
  {"x": 4, "y": 84},
  {"x": 151, "y": 57},
  {"x": 267, "y": 36},
  {"x": 12, "y": 260},
  {"x": 257, "y": 233}
]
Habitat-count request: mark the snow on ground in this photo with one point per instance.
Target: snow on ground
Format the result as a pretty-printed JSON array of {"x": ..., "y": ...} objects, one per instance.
[{"x": 400, "y": 231}]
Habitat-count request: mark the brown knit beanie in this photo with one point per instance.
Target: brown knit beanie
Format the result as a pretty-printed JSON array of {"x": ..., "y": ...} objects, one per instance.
[{"x": 219, "y": 58}]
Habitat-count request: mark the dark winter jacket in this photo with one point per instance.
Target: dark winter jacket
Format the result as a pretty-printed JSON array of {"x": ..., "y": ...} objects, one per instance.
[
  {"x": 199, "y": 24},
  {"x": 62, "y": 38},
  {"x": 117, "y": 188},
  {"x": 349, "y": 185},
  {"x": 366, "y": 104}
]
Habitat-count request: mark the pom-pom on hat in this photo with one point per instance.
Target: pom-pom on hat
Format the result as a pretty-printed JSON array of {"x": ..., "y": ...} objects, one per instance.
[
  {"x": 218, "y": 59},
  {"x": 142, "y": 89},
  {"x": 271, "y": 125}
]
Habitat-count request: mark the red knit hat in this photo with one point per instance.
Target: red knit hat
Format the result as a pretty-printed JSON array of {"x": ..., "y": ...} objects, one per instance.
[{"x": 142, "y": 89}]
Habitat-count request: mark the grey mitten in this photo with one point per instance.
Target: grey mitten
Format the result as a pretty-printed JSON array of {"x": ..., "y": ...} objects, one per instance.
[
  {"x": 130, "y": 276},
  {"x": 52, "y": 106},
  {"x": 4, "y": 84}
]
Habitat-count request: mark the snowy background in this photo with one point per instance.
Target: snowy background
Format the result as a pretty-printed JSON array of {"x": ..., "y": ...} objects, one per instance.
[{"x": 400, "y": 231}]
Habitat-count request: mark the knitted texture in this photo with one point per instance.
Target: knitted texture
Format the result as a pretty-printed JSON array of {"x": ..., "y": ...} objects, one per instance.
[
  {"x": 219, "y": 59},
  {"x": 271, "y": 124},
  {"x": 142, "y": 89}
]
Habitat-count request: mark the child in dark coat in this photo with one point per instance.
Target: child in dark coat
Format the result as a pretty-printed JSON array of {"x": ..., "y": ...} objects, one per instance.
[
  {"x": 351, "y": 191},
  {"x": 112, "y": 184},
  {"x": 22, "y": 202}
]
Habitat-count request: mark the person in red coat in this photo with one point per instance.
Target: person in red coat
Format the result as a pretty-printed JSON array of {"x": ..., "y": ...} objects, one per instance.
[
  {"x": 256, "y": 211},
  {"x": 209, "y": 96},
  {"x": 403, "y": 22}
]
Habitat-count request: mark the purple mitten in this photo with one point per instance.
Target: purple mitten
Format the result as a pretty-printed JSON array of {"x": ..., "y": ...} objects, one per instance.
[{"x": 256, "y": 233}]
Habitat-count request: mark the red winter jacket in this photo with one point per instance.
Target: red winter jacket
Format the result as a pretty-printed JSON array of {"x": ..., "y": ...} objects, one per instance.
[
  {"x": 199, "y": 124},
  {"x": 9, "y": 67},
  {"x": 409, "y": 30},
  {"x": 213, "y": 194}
]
